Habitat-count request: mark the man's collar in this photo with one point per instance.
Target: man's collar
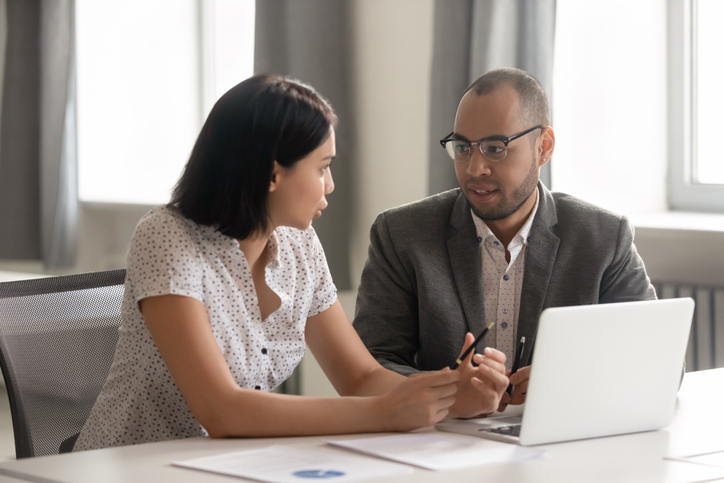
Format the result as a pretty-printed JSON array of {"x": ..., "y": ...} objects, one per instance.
[
  {"x": 545, "y": 218},
  {"x": 484, "y": 230}
]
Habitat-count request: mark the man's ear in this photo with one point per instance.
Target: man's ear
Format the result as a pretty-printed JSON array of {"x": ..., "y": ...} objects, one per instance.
[
  {"x": 547, "y": 146},
  {"x": 275, "y": 176}
]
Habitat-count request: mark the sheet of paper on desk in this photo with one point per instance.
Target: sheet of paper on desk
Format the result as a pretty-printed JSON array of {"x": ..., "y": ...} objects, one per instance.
[
  {"x": 286, "y": 464},
  {"x": 712, "y": 459},
  {"x": 440, "y": 451}
]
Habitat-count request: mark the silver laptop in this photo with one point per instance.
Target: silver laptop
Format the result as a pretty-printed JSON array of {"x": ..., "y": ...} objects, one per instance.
[{"x": 597, "y": 370}]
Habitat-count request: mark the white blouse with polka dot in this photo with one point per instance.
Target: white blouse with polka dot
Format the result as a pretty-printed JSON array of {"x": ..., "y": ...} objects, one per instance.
[{"x": 170, "y": 254}]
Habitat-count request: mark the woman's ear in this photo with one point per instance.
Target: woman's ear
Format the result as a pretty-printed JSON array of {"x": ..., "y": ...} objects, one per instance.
[{"x": 275, "y": 177}]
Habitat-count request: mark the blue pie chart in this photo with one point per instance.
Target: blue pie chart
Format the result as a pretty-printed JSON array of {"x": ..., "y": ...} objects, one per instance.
[{"x": 318, "y": 474}]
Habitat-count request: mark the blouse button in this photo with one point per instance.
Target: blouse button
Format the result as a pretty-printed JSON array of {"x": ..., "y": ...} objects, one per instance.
[
  {"x": 263, "y": 351},
  {"x": 257, "y": 388}
]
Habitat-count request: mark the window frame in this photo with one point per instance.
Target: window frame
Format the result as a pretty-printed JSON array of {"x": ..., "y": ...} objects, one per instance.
[{"x": 683, "y": 192}]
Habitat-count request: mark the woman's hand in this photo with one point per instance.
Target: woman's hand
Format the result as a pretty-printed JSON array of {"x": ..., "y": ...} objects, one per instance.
[{"x": 420, "y": 400}]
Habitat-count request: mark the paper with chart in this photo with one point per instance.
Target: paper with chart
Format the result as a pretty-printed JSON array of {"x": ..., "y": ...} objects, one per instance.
[
  {"x": 439, "y": 451},
  {"x": 287, "y": 464}
]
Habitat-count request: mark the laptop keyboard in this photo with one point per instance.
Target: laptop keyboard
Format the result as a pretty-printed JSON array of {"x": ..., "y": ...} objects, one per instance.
[{"x": 512, "y": 430}]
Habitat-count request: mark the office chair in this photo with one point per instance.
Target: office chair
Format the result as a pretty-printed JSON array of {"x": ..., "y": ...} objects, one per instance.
[{"x": 57, "y": 340}]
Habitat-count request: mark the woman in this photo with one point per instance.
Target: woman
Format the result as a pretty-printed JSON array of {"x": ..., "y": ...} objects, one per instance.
[{"x": 227, "y": 282}]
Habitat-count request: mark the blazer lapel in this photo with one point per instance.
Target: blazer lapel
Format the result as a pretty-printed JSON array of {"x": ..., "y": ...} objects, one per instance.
[
  {"x": 464, "y": 256},
  {"x": 540, "y": 256}
]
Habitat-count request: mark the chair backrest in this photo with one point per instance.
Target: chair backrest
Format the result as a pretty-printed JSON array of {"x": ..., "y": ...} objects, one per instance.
[{"x": 57, "y": 340}]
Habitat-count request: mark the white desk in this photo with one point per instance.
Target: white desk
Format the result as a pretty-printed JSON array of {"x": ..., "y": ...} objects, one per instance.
[{"x": 698, "y": 427}]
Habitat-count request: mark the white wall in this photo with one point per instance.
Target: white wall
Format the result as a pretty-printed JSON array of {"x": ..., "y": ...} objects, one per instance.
[
  {"x": 392, "y": 52},
  {"x": 391, "y": 74},
  {"x": 105, "y": 232}
]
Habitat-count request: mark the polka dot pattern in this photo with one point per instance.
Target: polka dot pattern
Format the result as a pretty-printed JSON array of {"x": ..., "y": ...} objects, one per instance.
[
  {"x": 502, "y": 282},
  {"x": 170, "y": 254}
]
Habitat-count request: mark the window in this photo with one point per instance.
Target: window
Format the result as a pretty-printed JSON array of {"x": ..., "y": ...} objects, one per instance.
[
  {"x": 608, "y": 104},
  {"x": 696, "y": 101},
  {"x": 148, "y": 72},
  {"x": 708, "y": 105}
]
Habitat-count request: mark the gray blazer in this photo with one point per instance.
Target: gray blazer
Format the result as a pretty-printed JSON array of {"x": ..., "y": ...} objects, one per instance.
[{"x": 421, "y": 287}]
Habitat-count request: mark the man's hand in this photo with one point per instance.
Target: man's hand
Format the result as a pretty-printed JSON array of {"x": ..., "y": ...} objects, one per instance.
[
  {"x": 479, "y": 388},
  {"x": 519, "y": 380}
]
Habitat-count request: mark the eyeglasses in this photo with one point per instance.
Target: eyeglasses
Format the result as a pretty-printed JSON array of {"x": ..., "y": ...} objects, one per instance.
[{"x": 494, "y": 148}]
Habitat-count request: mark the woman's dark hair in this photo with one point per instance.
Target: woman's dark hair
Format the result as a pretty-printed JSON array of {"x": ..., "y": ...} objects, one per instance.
[{"x": 263, "y": 119}]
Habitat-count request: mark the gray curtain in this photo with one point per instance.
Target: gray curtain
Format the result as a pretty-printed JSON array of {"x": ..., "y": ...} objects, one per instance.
[
  {"x": 308, "y": 39},
  {"x": 472, "y": 37},
  {"x": 38, "y": 181}
]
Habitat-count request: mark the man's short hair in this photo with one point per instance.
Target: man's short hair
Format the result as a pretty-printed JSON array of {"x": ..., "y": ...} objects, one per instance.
[
  {"x": 531, "y": 94},
  {"x": 263, "y": 119}
]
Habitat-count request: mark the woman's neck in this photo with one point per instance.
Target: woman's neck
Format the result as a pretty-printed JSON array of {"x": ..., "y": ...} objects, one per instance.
[{"x": 253, "y": 247}]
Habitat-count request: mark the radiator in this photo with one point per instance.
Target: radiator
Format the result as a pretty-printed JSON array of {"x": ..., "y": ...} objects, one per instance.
[{"x": 706, "y": 340}]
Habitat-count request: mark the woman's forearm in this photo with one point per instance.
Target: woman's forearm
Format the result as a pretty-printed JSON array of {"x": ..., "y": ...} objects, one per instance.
[
  {"x": 378, "y": 382},
  {"x": 253, "y": 413},
  {"x": 412, "y": 403}
]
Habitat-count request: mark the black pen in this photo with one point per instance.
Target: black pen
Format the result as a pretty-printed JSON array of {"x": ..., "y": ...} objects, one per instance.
[
  {"x": 467, "y": 351},
  {"x": 516, "y": 363}
]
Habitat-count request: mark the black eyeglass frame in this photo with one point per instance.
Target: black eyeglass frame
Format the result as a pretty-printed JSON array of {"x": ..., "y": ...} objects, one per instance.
[{"x": 505, "y": 142}]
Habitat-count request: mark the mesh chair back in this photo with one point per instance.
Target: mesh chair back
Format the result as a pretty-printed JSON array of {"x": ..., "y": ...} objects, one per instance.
[{"x": 57, "y": 340}]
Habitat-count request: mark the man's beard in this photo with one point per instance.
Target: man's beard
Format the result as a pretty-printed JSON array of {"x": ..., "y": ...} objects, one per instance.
[{"x": 509, "y": 206}]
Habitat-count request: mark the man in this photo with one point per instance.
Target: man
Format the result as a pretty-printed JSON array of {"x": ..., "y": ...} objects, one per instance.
[{"x": 500, "y": 249}]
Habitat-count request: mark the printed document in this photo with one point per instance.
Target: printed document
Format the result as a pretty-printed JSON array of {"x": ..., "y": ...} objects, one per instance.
[
  {"x": 715, "y": 458},
  {"x": 287, "y": 464},
  {"x": 440, "y": 451}
]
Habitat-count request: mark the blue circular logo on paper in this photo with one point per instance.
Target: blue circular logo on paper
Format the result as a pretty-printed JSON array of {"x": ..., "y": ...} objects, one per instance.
[{"x": 318, "y": 474}]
